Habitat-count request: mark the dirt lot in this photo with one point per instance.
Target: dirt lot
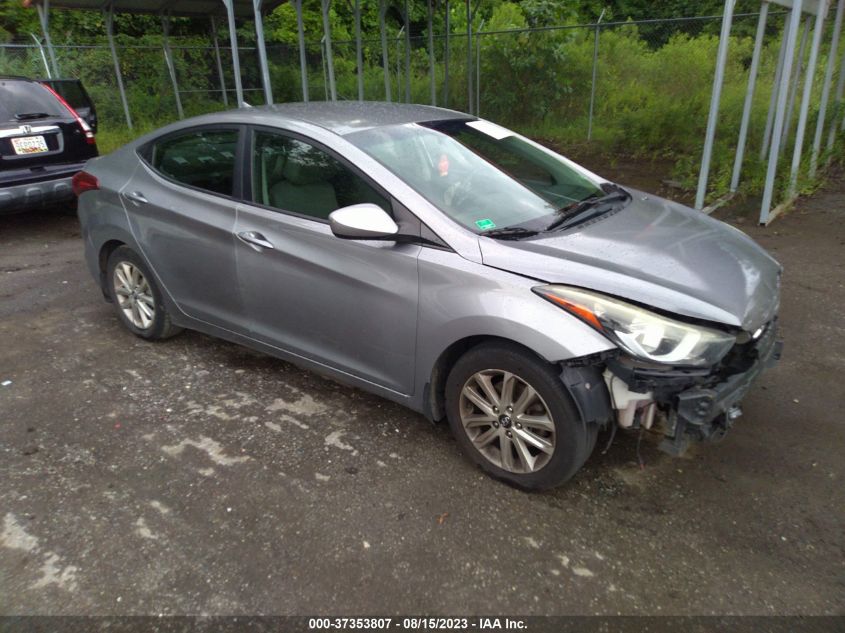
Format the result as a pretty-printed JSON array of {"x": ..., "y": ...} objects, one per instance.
[{"x": 194, "y": 476}]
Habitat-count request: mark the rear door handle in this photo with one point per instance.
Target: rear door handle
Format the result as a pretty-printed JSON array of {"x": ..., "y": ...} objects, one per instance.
[
  {"x": 255, "y": 240},
  {"x": 136, "y": 196}
]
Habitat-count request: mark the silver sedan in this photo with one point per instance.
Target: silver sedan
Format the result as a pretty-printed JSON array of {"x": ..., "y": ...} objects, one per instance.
[{"x": 443, "y": 262}]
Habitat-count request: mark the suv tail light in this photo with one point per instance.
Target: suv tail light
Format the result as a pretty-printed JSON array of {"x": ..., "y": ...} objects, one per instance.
[
  {"x": 86, "y": 129},
  {"x": 82, "y": 182}
]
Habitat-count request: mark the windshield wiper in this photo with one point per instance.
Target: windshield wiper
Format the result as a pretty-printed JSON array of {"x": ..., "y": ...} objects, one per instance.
[
  {"x": 586, "y": 209},
  {"x": 26, "y": 116},
  {"x": 509, "y": 233}
]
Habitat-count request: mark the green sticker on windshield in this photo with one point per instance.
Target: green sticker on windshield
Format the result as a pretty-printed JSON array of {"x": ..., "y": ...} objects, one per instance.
[{"x": 485, "y": 224}]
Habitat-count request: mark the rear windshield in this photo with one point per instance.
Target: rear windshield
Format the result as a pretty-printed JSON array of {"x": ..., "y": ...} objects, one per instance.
[
  {"x": 21, "y": 98},
  {"x": 72, "y": 92}
]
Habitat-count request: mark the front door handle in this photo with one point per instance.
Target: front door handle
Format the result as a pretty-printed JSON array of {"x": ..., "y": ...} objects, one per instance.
[
  {"x": 255, "y": 240},
  {"x": 136, "y": 196}
]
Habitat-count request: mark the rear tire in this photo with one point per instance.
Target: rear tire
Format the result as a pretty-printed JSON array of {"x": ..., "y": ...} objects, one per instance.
[
  {"x": 511, "y": 414},
  {"x": 136, "y": 297}
]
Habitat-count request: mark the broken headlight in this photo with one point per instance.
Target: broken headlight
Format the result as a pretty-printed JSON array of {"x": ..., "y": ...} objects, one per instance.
[{"x": 640, "y": 332}]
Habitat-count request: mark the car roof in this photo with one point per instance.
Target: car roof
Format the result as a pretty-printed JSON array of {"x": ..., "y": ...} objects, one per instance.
[{"x": 345, "y": 117}]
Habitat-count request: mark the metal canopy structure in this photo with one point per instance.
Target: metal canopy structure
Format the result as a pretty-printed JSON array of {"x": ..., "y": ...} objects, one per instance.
[
  {"x": 778, "y": 128},
  {"x": 168, "y": 9}
]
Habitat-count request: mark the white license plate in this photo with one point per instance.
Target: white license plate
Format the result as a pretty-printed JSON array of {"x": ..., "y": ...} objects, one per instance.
[{"x": 29, "y": 145}]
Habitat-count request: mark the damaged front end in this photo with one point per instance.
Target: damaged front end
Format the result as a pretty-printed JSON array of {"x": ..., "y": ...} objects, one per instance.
[{"x": 691, "y": 404}]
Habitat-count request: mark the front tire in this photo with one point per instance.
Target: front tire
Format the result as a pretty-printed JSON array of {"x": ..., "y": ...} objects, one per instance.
[
  {"x": 513, "y": 417},
  {"x": 136, "y": 297}
]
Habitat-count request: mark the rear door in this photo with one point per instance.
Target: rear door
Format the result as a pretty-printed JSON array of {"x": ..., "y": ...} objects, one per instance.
[
  {"x": 348, "y": 304},
  {"x": 181, "y": 204}
]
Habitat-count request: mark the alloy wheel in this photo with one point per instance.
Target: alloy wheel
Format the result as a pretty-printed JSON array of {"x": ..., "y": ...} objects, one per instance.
[
  {"x": 134, "y": 295},
  {"x": 507, "y": 421}
]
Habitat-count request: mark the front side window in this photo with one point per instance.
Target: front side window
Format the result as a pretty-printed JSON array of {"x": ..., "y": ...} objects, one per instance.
[
  {"x": 291, "y": 175},
  {"x": 479, "y": 174},
  {"x": 204, "y": 159}
]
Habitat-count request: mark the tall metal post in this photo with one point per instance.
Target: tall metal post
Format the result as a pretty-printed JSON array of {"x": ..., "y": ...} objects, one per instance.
[
  {"x": 749, "y": 94},
  {"x": 837, "y": 105},
  {"x": 303, "y": 61},
  {"x": 44, "y": 18},
  {"x": 327, "y": 33},
  {"x": 219, "y": 62},
  {"x": 168, "y": 58},
  {"x": 236, "y": 58},
  {"x": 359, "y": 54},
  {"x": 385, "y": 57},
  {"x": 780, "y": 112},
  {"x": 828, "y": 80},
  {"x": 262, "y": 51},
  {"x": 478, "y": 69},
  {"x": 803, "y": 113},
  {"x": 712, "y": 119},
  {"x": 595, "y": 72},
  {"x": 407, "y": 53},
  {"x": 431, "y": 54},
  {"x": 446, "y": 54},
  {"x": 773, "y": 100},
  {"x": 796, "y": 80},
  {"x": 469, "y": 58},
  {"x": 43, "y": 56},
  {"x": 109, "y": 16}
]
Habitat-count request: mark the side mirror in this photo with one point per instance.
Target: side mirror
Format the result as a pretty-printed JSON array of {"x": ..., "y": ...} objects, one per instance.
[{"x": 365, "y": 221}]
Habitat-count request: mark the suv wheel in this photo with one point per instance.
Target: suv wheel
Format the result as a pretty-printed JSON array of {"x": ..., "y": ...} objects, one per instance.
[
  {"x": 136, "y": 297},
  {"x": 512, "y": 416}
]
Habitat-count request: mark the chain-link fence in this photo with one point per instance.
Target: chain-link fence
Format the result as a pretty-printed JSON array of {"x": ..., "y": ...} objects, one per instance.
[{"x": 639, "y": 86}]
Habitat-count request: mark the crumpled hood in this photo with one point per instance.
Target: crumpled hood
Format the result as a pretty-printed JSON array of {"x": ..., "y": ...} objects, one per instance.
[{"x": 658, "y": 253}]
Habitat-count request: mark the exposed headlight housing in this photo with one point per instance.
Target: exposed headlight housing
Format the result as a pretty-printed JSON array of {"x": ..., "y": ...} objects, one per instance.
[{"x": 642, "y": 333}]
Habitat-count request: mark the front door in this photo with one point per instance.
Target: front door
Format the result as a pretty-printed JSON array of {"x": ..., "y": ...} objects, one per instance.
[{"x": 348, "y": 304}]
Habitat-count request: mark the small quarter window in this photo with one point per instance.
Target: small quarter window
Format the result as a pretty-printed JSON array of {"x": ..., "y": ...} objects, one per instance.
[{"x": 204, "y": 159}]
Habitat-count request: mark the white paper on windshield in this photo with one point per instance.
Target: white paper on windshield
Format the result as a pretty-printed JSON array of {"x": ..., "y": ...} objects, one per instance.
[{"x": 490, "y": 129}]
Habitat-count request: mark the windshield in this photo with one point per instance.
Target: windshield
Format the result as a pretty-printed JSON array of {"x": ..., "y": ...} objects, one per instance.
[{"x": 479, "y": 174}]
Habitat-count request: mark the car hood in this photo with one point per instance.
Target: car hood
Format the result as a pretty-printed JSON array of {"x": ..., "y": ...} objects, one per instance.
[{"x": 658, "y": 253}]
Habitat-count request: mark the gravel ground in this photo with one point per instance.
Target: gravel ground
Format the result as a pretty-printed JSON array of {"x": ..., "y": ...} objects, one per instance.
[{"x": 197, "y": 477}]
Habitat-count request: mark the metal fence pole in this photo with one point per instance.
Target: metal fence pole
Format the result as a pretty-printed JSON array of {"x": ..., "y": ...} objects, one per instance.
[
  {"x": 431, "y": 55},
  {"x": 168, "y": 58},
  {"x": 770, "y": 115},
  {"x": 803, "y": 113},
  {"x": 303, "y": 62},
  {"x": 469, "y": 58},
  {"x": 109, "y": 16},
  {"x": 828, "y": 80},
  {"x": 219, "y": 62},
  {"x": 261, "y": 45},
  {"x": 359, "y": 54},
  {"x": 407, "y": 54},
  {"x": 749, "y": 94},
  {"x": 323, "y": 64},
  {"x": 44, "y": 18},
  {"x": 236, "y": 58},
  {"x": 712, "y": 119},
  {"x": 399, "y": 40},
  {"x": 446, "y": 54},
  {"x": 385, "y": 57},
  {"x": 796, "y": 80},
  {"x": 780, "y": 113},
  {"x": 478, "y": 68},
  {"x": 327, "y": 32},
  {"x": 43, "y": 56},
  {"x": 837, "y": 106},
  {"x": 595, "y": 70}
]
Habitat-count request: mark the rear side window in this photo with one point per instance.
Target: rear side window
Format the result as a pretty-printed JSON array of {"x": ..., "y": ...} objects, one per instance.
[
  {"x": 204, "y": 159},
  {"x": 25, "y": 100},
  {"x": 72, "y": 92}
]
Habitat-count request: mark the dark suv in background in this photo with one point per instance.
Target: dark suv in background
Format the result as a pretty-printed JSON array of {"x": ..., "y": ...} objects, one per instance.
[{"x": 43, "y": 143}]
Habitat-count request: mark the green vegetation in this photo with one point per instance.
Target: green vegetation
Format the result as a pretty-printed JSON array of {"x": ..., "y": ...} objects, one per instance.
[{"x": 652, "y": 97}]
